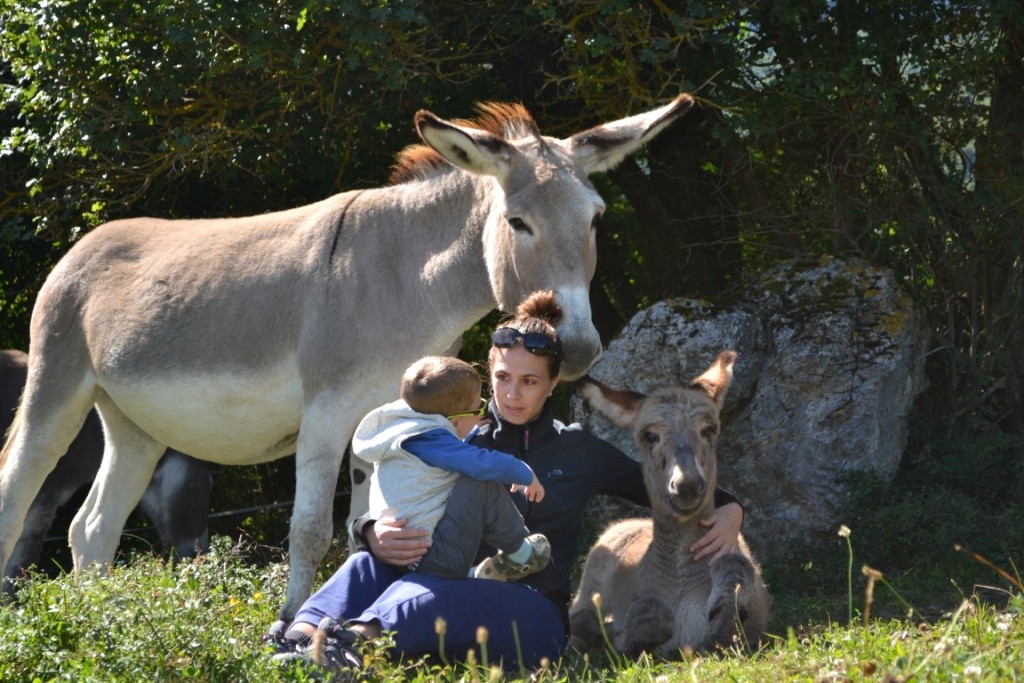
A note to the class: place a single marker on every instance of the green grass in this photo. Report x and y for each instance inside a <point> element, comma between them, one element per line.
<point>937,613</point>
<point>202,620</point>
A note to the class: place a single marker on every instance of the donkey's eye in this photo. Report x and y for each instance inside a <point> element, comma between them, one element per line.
<point>651,437</point>
<point>708,433</point>
<point>519,225</point>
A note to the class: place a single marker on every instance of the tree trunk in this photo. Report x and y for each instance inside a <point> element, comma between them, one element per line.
<point>684,210</point>
<point>1000,176</point>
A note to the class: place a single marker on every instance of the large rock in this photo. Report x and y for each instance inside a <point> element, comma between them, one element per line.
<point>831,357</point>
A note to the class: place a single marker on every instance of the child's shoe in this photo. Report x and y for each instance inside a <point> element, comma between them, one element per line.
<point>501,567</point>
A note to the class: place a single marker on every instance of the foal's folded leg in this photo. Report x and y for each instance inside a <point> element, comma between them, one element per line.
<point>732,576</point>
<point>648,624</point>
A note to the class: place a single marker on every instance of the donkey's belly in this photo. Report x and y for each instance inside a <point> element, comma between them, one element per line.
<point>230,418</point>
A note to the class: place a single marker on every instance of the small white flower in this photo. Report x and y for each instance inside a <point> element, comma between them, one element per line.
<point>972,671</point>
<point>844,531</point>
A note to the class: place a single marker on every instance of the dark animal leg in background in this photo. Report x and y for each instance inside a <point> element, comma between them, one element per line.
<point>178,503</point>
<point>37,522</point>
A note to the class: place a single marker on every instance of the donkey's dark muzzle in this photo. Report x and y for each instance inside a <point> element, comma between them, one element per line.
<point>687,493</point>
<point>687,485</point>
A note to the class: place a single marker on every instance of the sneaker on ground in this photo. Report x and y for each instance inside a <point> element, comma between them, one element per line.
<point>332,652</point>
<point>502,568</point>
<point>276,639</point>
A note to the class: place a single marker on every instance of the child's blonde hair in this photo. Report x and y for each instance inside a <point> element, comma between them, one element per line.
<point>441,385</point>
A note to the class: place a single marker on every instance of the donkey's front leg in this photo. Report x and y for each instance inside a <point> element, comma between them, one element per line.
<point>732,577</point>
<point>326,428</point>
<point>649,623</point>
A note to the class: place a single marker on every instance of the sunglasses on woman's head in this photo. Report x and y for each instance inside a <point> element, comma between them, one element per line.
<point>479,412</point>
<point>537,343</point>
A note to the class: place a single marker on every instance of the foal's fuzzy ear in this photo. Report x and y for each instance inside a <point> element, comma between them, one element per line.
<point>470,149</point>
<point>717,378</point>
<point>618,405</point>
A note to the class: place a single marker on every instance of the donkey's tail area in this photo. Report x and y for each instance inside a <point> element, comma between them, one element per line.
<point>12,433</point>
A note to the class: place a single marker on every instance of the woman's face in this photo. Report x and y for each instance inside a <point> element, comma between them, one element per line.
<point>520,383</point>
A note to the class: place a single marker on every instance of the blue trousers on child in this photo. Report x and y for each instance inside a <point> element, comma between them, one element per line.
<point>365,589</point>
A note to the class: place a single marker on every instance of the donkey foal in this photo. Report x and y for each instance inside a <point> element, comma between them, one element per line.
<point>654,597</point>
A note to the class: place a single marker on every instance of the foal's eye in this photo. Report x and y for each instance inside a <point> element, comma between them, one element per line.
<point>519,225</point>
<point>595,222</point>
<point>708,433</point>
<point>651,437</point>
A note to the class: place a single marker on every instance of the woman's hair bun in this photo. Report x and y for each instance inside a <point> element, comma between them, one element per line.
<point>541,305</point>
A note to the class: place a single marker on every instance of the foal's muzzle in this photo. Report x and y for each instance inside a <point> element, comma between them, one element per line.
<point>687,484</point>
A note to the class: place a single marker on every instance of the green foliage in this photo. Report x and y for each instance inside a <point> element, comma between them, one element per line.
<point>920,532</point>
<point>174,623</point>
<point>197,108</point>
<point>965,496</point>
<point>823,129</point>
<point>874,141</point>
<point>25,264</point>
<point>892,133</point>
<point>983,464</point>
<point>961,491</point>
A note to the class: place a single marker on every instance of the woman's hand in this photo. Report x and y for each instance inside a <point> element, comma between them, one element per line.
<point>723,536</point>
<point>392,543</point>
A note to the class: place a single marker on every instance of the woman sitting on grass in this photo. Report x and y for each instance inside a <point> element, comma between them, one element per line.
<point>374,592</point>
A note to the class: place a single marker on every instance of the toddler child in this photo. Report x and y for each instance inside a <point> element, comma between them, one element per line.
<point>425,472</point>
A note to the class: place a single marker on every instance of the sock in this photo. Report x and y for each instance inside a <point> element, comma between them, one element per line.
<point>523,554</point>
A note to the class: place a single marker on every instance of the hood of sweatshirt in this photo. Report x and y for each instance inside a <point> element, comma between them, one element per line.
<point>385,427</point>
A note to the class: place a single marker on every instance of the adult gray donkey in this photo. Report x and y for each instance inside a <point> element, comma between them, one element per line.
<point>242,340</point>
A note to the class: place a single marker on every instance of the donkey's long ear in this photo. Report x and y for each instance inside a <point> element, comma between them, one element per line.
<point>618,405</point>
<point>717,378</point>
<point>603,147</point>
<point>470,149</point>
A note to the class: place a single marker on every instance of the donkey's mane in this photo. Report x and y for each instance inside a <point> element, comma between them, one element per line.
<point>509,121</point>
